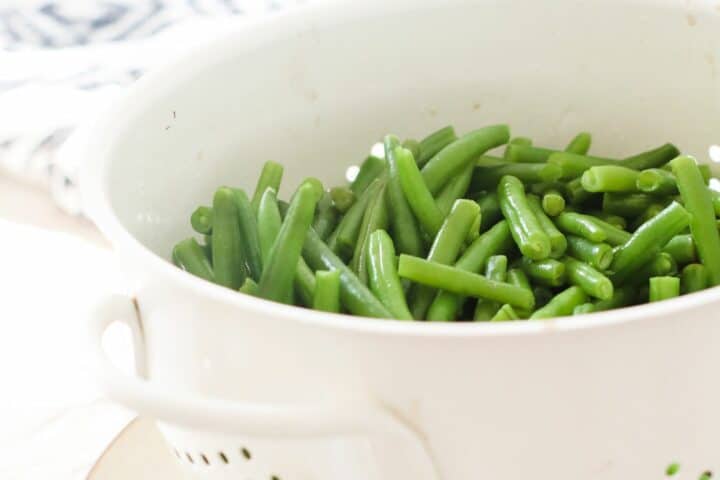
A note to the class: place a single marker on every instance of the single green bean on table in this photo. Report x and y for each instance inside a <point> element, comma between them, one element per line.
<point>553,203</point>
<point>433,143</point>
<point>558,242</point>
<point>581,225</point>
<point>682,249</point>
<point>327,291</point>
<point>663,288</point>
<point>326,217</point>
<point>698,202</point>
<point>383,278</point>
<point>524,226</point>
<point>693,278</point>
<point>495,241</point>
<point>548,272</point>
<point>505,313</point>
<point>562,304</point>
<point>269,222</point>
<point>371,168</point>
<point>609,178</point>
<point>580,144</point>
<point>228,258</point>
<point>342,241</point>
<point>201,220</point>
<point>342,198</point>
<point>249,239</point>
<point>496,270</point>
<point>418,196</point>
<point>486,178</point>
<point>598,255</point>
<point>586,277</point>
<point>189,255</point>
<point>270,177</point>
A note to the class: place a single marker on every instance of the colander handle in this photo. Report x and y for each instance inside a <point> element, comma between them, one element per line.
<point>215,414</point>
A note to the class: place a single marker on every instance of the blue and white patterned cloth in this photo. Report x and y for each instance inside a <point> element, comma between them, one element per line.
<point>62,61</point>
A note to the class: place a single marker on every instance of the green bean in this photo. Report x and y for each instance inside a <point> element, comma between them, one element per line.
<point>249,239</point>
<point>487,178</point>
<point>249,287</point>
<point>405,228</point>
<point>343,239</point>
<point>622,296</point>
<point>524,226</point>
<point>327,291</point>
<point>652,158</point>
<point>575,192</point>
<point>270,176</point>
<point>207,248</point>
<point>657,181</point>
<point>583,309</point>
<point>495,241</point>
<point>277,279</point>
<point>453,158</point>
<point>342,198</point>
<point>580,225</point>
<point>661,264</point>
<point>527,154</point>
<point>580,144</point>
<point>524,141</point>
<point>663,288</point>
<point>412,145</point>
<point>558,242</point>
<point>304,283</point>
<point>515,276</point>
<point>202,219</point>
<point>326,217</point>
<point>371,168</point>
<point>354,295</point>
<point>383,278</point>
<point>505,313</point>
<point>648,240</point>
<point>490,161</point>
<point>682,249</point>
<point>613,235</point>
<point>317,186</point>
<point>190,256</point>
<point>614,220</point>
<point>586,277</point>
<point>650,212</point>
<point>609,178</point>
<point>548,272</point>
<point>693,278</point>
<point>573,165</point>
<point>417,194</point>
<point>444,250</point>
<point>375,218</point>
<point>626,205</point>
<point>542,296</point>
<point>227,252</point>
<point>715,196</point>
<point>553,203</point>
<point>455,189</point>
<point>561,304</point>
<point>462,282</point>
<point>269,222</point>
<point>496,270</point>
<point>698,202</point>
<point>490,210</point>
<point>599,255</point>
<point>433,143</point>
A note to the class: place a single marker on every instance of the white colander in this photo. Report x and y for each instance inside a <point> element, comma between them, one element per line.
<point>314,396</point>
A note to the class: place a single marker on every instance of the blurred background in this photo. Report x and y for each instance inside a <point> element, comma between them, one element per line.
<point>62,62</point>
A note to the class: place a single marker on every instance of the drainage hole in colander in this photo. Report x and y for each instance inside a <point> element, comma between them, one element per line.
<point>189,457</point>
<point>177,454</point>
<point>205,459</point>
<point>223,457</point>
<point>274,477</point>
<point>246,453</point>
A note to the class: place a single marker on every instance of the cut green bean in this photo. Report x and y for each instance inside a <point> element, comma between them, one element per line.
<point>598,255</point>
<point>682,249</point>
<point>583,309</point>
<point>433,143</point>
<point>580,225</point>
<point>269,223</point>
<point>487,178</point>
<point>227,252</point>
<point>207,248</point>
<point>573,165</point>
<point>515,276</point>
<point>326,217</point>
<point>558,242</point>
<point>490,212</point>
<point>628,205</point>
<point>375,218</point>
<point>304,283</point>
<point>354,295</point>
<point>444,250</point>
<point>495,241</point>
<point>614,220</point>
<point>660,265</point>
<point>372,168</point>
<point>455,189</point>
<point>496,270</point>
<point>505,313</point>
<point>586,277</point>
<point>622,297</point>
<point>553,203</point>
<point>412,145</point>
<point>189,255</point>
<point>524,226</point>
<point>418,196</point>
<point>527,154</point>
<point>462,282</point>
<point>698,201</point>
<point>657,181</point>
<point>664,288</point>
<point>575,192</point>
<point>693,278</point>
<point>580,144</point>
<point>548,272</point>
<point>342,198</point>
<point>343,239</point>
<point>249,238</point>
<point>542,296</point>
<point>652,158</point>
<point>562,304</point>
<point>613,235</point>
<point>383,278</point>
<point>327,291</point>
<point>277,279</point>
<point>648,240</point>
<point>652,211</point>
<point>402,220</point>
<point>609,178</point>
<point>249,287</point>
<point>453,158</point>
<point>270,177</point>
<point>201,220</point>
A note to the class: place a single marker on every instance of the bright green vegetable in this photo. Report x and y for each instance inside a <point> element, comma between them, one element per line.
<point>652,158</point>
<point>496,270</point>
<point>326,217</point>
<point>548,272</point>
<point>418,196</point>
<point>515,276</point>
<point>249,287</point>
<point>561,304</point>
<point>490,210</point>
<point>694,278</point>
<point>202,220</point>
<point>553,203</point>
<point>614,220</point>
<point>433,143</point>
<point>573,165</point>
<point>189,256</point>
<point>524,226</point>
<point>412,145</point>
<point>372,168</point>
<point>626,205</point>
<point>505,313</point>
<point>580,144</point>
<point>558,242</point>
<point>584,308</point>
<point>657,181</point>
<point>455,189</point>
<point>487,178</point>
<point>375,218</point>
<point>682,249</point>
<point>342,198</point>
<point>383,278</point>
<point>227,252</point>
<point>270,177</point>
<point>609,178</point>
<point>586,277</point>
<point>575,192</point>
<point>343,239</point>
<point>527,154</point>
<point>663,288</point>
<point>304,283</point>
<point>327,291</point>
<point>249,239</point>
<point>269,223</point>
<point>598,255</point>
<point>581,225</point>
<point>613,235</point>
<point>623,296</point>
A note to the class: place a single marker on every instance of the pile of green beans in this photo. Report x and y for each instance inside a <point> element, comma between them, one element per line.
<point>445,229</point>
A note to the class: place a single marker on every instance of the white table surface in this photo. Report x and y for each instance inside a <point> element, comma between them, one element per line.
<point>53,268</point>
